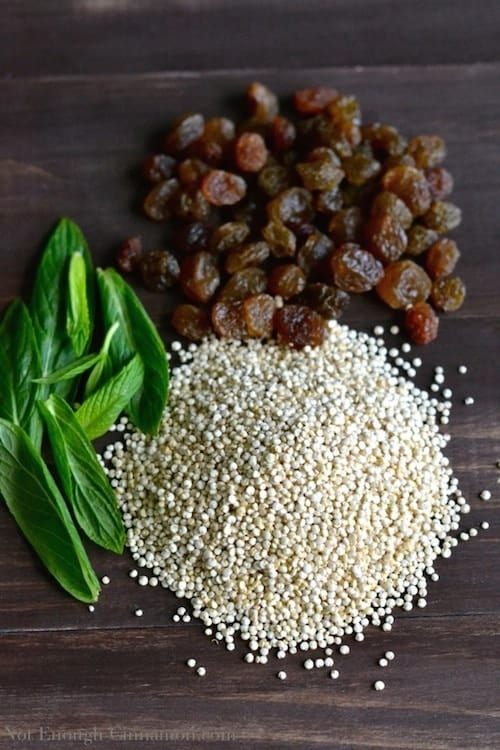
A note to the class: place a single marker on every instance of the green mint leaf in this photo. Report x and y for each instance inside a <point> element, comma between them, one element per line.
<point>19,365</point>
<point>136,334</point>
<point>78,325</point>
<point>100,410</point>
<point>70,371</point>
<point>104,368</point>
<point>41,513</point>
<point>48,305</point>
<point>83,480</point>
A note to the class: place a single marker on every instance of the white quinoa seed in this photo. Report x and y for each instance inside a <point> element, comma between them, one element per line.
<point>281,675</point>
<point>288,494</point>
<point>379,685</point>
<point>191,663</point>
<point>201,671</point>
<point>485,495</point>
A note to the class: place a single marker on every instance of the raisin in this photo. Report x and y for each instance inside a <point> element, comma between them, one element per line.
<point>409,184</point>
<point>345,114</point>
<point>385,237</point>
<point>281,240</point>
<point>191,171</point>
<point>360,167</point>
<point>442,216</point>
<point>291,206</point>
<point>191,321</point>
<point>320,174</point>
<point>448,293</point>
<point>159,200</point>
<point>191,205</point>
<point>192,237</point>
<point>243,284</point>
<point>345,225</point>
<point>249,211</point>
<point>328,201</point>
<point>314,250</point>
<point>158,168</point>
<point>274,178</point>
<point>262,102</point>
<point>222,188</point>
<point>213,145</point>
<point>404,283</point>
<point>384,139</point>
<point>312,101</point>
<point>229,235</point>
<point>440,182</point>
<point>228,319</point>
<point>129,255</point>
<point>427,150</point>
<point>250,152</point>
<point>354,269</point>
<point>421,323</point>
<point>441,258</point>
<point>183,132</point>
<point>420,239</point>
<point>328,301</point>
<point>199,276</point>
<point>388,203</point>
<point>159,270</point>
<point>258,313</point>
<point>299,326</point>
<point>322,153</point>
<point>302,230</point>
<point>286,281</point>
<point>283,133</point>
<point>250,254</point>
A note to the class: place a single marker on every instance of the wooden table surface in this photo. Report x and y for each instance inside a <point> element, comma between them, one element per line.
<point>86,87</point>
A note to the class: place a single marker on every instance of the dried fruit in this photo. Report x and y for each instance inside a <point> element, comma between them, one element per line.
<point>222,188</point>
<point>250,254</point>
<point>442,216</point>
<point>441,258</point>
<point>427,150</point>
<point>158,202</point>
<point>291,206</point>
<point>213,145</point>
<point>263,104</point>
<point>286,280</point>
<point>228,236</point>
<point>183,132</point>
<point>199,277</point>
<point>404,283</point>
<point>243,284</point>
<point>159,270</point>
<point>360,167</point>
<point>158,168</point>
<point>228,319</point>
<point>250,152</point>
<point>258,313</point>
<point>299,326</point>
<point>192,237</point>
<point>420,239</point>
<point>345,225</point>
<point>320,174</point>
<point>273,179</point>
<point>388,203</point>
<point>311,254</point>
<point>385,237</point>
<point>312,101</point>
<point>191,205</point>
<point>129,255</point>
<point>191,171</point>
<point>448,293</point>
<point>440,182</point>
<point>409,184</point>
<point>192,322</point>
<point>385,140</point>
<point>421,323</point>
<point>329,301</point>
<point>354,269</point>
<point>280,239</point>
<point>283,133</point>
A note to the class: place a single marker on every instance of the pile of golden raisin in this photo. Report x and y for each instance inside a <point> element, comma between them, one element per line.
<point>278,220</point>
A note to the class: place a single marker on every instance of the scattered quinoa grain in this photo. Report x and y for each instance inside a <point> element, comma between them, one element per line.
<point>379,685</point>
<point>485,495</point>
<point>382,662</point>
<point>133,573</point>
<point>462,369</point>
<point>308,664</point>
<point>394,330</point>
<point>105,580</point>
<point>378,331</point>
<point>201,671</point>
<point>191,663</point>
<point>469,400</point>
<point>143,580</point>
<point>485,525</point>
<point>91,608</point>
<point>344,649</point>
<point>334,674</point>
<point>138,612</point>
<point>390,655</point>
<point>281,675</point>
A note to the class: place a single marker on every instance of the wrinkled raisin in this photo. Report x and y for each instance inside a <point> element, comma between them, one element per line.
<point>328,201</point>
<point>299,326</point>
<point>250,152</point>
<point>385,237</point>
<point>384,139</point>
<point>328,301</point>
<point>421,323</point>
<point>250,254</point>
<point>213,145</point>
<point>286,280</point>
<point>388,203</point>
<point>159,270</point>
<point>273,179</point>
<point>360,167</point>
<point>228,236</point>
<point>448,293</point>
<point>129,254</point>
<point>192,237</point>
<point>409,184</point>
<point>191,171</point>
<point>441,258</point>
<point>345,225</point>
<point>312,101</point>
<point>280,239</point>
<point>258,313</point>
<point>222,188</point>
<point>183,132</point>
<point>158,202</point>
<point>440,182</point>
<point>420,239</point>
<point>292,205</point>
<point>158,168</point>
<point>282,133</point>
<point>345,114</point>
<point>354,269</point>
<point>427,150</point>
<point>191,321</point>
<point>228,319</point>
<point>262,102</point>
<point>191,205</point>
<point>243,284</point>
<point>314,250</point>
<point>404,283</point>
<point>320,174</point>
<point>199,276</point>
<point>442,216</point>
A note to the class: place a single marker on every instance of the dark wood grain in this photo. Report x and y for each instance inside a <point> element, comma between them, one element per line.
<point>71,145</point>
<point>116,36</point>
